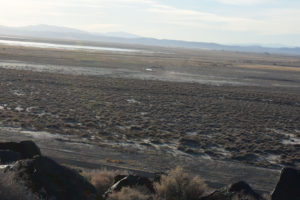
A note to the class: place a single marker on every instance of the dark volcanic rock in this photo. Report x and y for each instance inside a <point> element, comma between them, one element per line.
<point>49,180</point>
<point>131,181</point>
<point>243,187</point>
<point>26,149</point>
<point>118,178</point>
<point>236,191</point>
<point>288,187</point>
<point>7,156</point>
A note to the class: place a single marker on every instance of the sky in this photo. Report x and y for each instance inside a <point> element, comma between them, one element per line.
<point>267,22</point>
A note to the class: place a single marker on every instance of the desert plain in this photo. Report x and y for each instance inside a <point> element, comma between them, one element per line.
<point>225,116</point>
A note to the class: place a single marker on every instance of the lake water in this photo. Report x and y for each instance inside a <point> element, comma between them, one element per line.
<point>66,46</point>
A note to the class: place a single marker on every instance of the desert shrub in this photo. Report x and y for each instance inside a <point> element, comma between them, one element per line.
<point>12,190</point>
<point>130,194</point>
<point>242,197</point>
<point>266,196</point>
<point>101,179</point>
<point>178,185</point>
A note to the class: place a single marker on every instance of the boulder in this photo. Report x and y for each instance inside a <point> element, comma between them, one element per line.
<point>49,180</point>
<point>288,186</point>
<point>243,188</point>
<point>131,181</point>
<point>118,178</point>
<point>26,149</point>
<point>237,191</point>
<point>157,176</point>
<point>7,156</point>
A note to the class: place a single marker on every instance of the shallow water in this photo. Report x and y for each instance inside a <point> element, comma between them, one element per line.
<point>65,46</point>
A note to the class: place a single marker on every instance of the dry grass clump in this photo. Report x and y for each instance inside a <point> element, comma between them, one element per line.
<point>11,190</point>
<point>178,185</point>
<point>101,179</point>
<point>130,194</point>
<point>266,196</point>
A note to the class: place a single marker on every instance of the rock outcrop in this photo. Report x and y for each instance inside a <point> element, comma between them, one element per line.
<point>45,177</point>
<point>238,191</point>
<point>288,187</point>
<point>42,176</point>
<point>26,149</point>
<point>8,156</point>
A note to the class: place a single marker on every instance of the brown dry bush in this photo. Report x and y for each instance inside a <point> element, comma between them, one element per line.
<point>178,185</point>
<point>266,196</point>
<point>130,194</point>
<point>101,179</point>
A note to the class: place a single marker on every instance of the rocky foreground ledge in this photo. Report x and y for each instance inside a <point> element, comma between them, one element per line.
<point>27,174</point>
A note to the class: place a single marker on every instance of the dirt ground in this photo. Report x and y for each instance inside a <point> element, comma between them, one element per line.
<point>204,105</point>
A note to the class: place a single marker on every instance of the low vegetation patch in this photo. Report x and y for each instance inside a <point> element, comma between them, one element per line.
<point>178,185</point>
<point>101,179</point>
<point>130,194</point>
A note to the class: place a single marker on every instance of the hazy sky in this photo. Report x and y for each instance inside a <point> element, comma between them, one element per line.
<point>222,21</point>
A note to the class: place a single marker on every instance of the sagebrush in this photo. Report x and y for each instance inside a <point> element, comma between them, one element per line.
<point>131,194</point>
<point>178,185</point>
<point>101,179</point>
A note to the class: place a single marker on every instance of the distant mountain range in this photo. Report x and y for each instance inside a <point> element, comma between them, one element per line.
<point>56,32</point>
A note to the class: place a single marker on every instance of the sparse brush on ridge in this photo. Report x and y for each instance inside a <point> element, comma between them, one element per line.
<point>101,179</point>
<point>137,193</point>
<point>178,185</point>
<point>266,196</point>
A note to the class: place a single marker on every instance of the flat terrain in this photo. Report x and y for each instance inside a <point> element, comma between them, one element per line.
<point>235,115</point>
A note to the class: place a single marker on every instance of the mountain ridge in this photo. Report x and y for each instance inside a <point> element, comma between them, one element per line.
<point>59,32</point>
